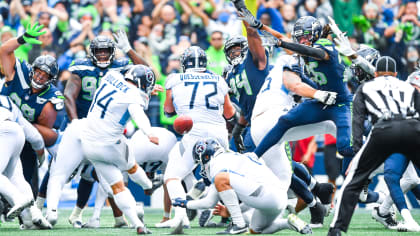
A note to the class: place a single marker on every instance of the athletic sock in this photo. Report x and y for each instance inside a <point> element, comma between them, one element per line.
<point>231,202</point>
<point>127,205</point>
<point>99,202</point>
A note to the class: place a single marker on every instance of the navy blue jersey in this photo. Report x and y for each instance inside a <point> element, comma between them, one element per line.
<point>19,90</point>
<point>245,81</point>
<point>90,76</point>
<point>329,74</point>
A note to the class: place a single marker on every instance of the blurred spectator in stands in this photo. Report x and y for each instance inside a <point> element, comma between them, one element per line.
<point>269,15</point>
<point>410,62</point>
<point>369,28</point>
<point>332,163</point>
<point>316,8</point>
<point>343,12</point>
<point>85,34</point>
<point>216,59</point>
<point>304,152</point>
<point>47,44</point>
<point>77,51</point>
<point>289,18</point>
<point>226,21</point>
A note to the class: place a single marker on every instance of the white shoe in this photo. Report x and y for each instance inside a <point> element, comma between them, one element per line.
<point>408,227</point>
<point>173,223</point>
<point>76,221</point>
<point>38,219</point>
<point>387,220</point>
<point>17,209</point>
<point>93,223</point>
<point>298,224</point>
<point>52,217</point>
<point>120,222</point>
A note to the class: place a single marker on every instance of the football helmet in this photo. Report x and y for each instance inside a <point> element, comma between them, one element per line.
<point>203,151</point>
<point>102,51</point>
<point>307,29</point>
<point>47,64</point>
<point>371,55</point>
<point>235,57</point>
<point>143,77</point>
<point>194,59</point>
<point>414,78</point>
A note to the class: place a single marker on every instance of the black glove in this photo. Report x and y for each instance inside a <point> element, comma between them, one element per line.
<point>237,137</point>
<point>231,122</point>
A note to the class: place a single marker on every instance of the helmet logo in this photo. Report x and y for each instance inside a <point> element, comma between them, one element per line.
<point>199,149</point>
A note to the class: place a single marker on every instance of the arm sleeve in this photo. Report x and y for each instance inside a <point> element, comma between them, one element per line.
<point>141,119</point>
<point>359,114</point>
<point>304,50</point>
<point>207,202</point>
<point>31,133</point>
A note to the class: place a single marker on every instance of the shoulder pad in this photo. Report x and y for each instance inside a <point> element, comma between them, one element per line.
<point>57,100</point>
<point>120,62</point>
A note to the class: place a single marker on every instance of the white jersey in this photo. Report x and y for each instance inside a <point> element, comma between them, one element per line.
<point>109,111</point>
<point>10,112</point>
<point>273,93</point>
<point>242,165</point>
<point>198,95</point>
<point>149,156</point>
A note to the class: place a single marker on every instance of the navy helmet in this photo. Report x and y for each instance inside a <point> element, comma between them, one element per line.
<point>232,57</point>
<point>99,43</point>
<point>307,27</point>
<point>194,59</point>
<point>143,77</point>
<point>47,64</point>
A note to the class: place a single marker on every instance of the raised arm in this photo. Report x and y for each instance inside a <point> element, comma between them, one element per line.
<point>255,47</point>
<point>71,92</point>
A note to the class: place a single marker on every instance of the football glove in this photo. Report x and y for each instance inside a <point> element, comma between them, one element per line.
<point>31,33</point>
<point>179,202</point>
<point>342,41</point>
<point>270,39</point>
<point>237,137</point>
<point>122,41</point>
<point>326,97</point>
<point>246,15</point>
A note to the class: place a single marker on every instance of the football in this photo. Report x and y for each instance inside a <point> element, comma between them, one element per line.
<point>183,124</point>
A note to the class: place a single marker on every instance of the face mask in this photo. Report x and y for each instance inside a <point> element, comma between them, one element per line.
<point>412,58</point>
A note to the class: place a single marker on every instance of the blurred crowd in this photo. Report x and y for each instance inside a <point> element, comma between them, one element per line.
<point>160,30</point>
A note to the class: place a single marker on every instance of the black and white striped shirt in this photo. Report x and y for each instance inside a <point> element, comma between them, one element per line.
<point>384,97</point>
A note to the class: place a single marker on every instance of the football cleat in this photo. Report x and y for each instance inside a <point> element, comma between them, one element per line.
<point>17,209</point>
<point>52,217</point>
<point>38,219</point>
<point>205,218</point>
<point>234,229</point>
<point>408,227</point>
<point>298,224</point>
<point>317,215</point>
<point>143,230</point>
<point>387,220</point>
<point>93,223</point>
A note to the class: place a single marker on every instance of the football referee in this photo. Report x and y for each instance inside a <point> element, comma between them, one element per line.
<point>393,107</point>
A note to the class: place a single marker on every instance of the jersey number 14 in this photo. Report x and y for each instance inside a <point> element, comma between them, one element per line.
<point>103,101</point>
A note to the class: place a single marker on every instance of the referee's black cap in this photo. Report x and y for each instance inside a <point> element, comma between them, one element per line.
<point>386,64</point>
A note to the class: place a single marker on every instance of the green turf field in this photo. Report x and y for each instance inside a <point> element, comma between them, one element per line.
<point>362,224</point>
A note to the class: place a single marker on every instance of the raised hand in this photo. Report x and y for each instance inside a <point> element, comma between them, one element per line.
<point>247,16</point>
<point>31,33</point>
<point>122,41</point>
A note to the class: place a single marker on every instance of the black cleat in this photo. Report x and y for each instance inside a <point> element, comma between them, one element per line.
<point>334,232</point>
<point>324,192</point>
<point>317,215</point>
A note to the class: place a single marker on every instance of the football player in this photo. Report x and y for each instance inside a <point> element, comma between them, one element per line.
<point>116,100</point>
<point>203,96</point>
<point>86,75</point>
<point>30,88</point>
<point>239,176</point>
<point>14,130</point>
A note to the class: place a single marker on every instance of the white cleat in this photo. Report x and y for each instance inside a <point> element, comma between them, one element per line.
<point>17,209</point>
<point>387,220</point>
<point>173,223</point>
<point>408,227</point>
<point>38,219</point>
<point>298,224</point>
<point>93,223</point>
<point>52,217</point>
